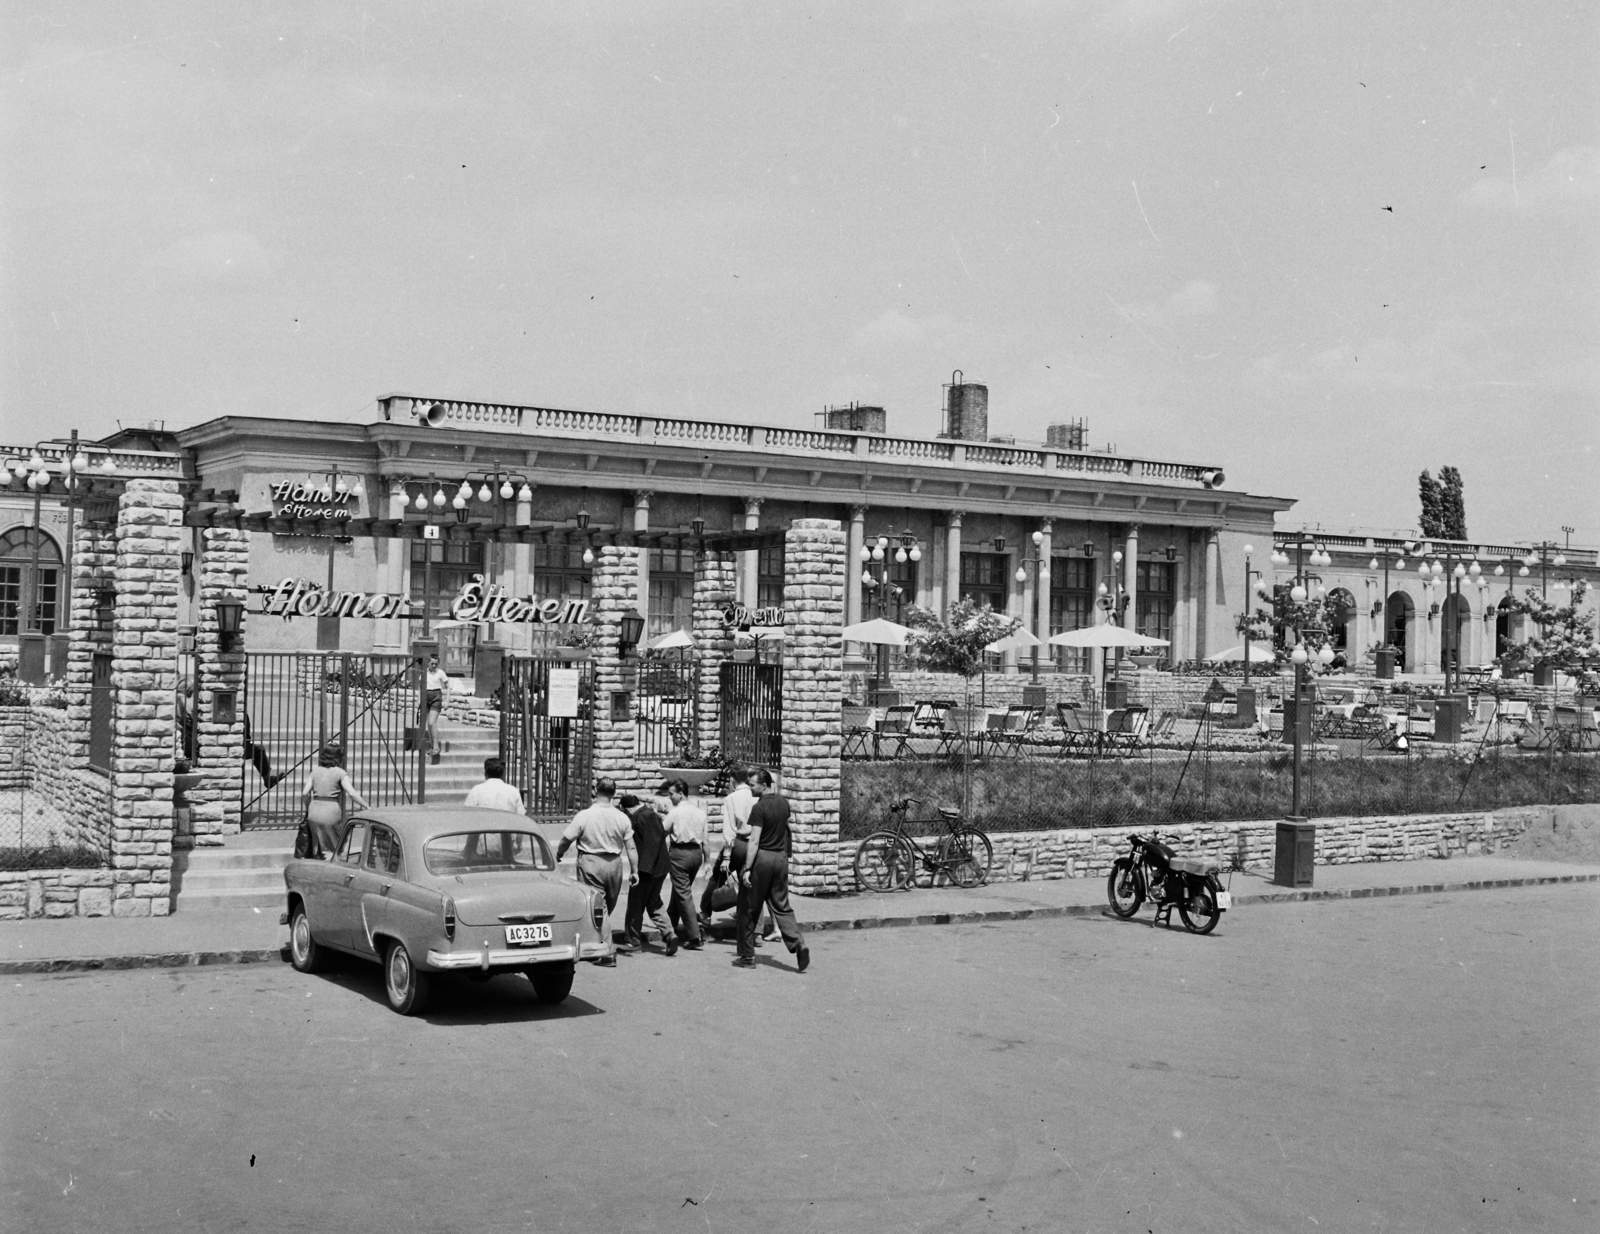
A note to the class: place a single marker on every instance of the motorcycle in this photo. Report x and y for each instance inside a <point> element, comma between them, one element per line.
<point>1153,871</point>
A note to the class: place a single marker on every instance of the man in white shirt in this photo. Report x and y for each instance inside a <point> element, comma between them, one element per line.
<point>494,793</point>
<point>603,834</point>
<point>685,824</point>
<point>736,807</point>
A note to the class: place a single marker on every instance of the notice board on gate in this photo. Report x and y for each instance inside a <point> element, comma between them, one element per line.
<point>563,696</point>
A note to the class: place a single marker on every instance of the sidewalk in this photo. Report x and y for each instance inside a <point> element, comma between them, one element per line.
<point>246,936</point>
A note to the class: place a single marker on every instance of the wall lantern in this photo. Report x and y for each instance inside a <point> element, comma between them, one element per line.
<point>630,632</point>
<point>697,526</point>
<point>583,511</point>
<point>185,562</point>
<point>999,544</point>
<point>230,623</point>
<point>1088,548</point>
<point>1172,552</point>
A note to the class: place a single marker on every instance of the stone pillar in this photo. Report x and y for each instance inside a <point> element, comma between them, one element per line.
<point>813,694</point>
<point>94,559</point>
<point>518,636</point>
<point>390,635</point>
<point>1130,577</point>
<point>853,565</point>
<point>750,564</point>
<point>615,592</point>
<point>1041,613</point>
<point>224,569</point>
<point>715,577</point>
<point>144,679</point>
<point>1211,594</point>
<point>952,559</point>
<point>641,522</point>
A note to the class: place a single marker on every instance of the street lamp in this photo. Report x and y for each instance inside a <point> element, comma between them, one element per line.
<point>1041,567</point>
<point>876,556</point>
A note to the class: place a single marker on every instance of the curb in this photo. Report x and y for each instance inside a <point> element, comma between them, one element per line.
<point>267,955</point>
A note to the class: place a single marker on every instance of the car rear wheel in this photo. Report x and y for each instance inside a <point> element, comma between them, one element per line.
<point>406,987</point>
<point>551,982</point>
<point>304,952</point>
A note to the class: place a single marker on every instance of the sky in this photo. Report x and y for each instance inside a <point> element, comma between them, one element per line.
<point>1322,246</point>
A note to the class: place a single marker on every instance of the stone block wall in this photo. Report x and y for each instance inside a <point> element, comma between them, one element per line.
<point>1089,852</point>
<point>14,746</point>
<point>214,804</point>
<point>37,748</point>
<point>813,683</point>
<point>145,671</point>
<point>614,592</point>
<point>716,577</point>
<point>55,893</point>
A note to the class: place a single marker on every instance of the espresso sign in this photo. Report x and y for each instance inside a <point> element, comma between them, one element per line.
<point>296,499</point>
<point>740,616</point>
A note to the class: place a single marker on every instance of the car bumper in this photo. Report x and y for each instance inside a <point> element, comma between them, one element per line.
<point>486,958</point>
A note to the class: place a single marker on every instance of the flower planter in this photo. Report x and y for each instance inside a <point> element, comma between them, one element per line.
<point>695,777</point>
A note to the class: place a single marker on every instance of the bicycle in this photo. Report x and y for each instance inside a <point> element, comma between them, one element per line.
<point>889,859</point>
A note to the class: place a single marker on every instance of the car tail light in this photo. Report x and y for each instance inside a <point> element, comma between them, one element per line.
<point>597,914</point>
<point>449,918</point>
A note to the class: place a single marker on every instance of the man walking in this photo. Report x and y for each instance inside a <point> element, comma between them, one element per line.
<point>650,841</point>
<point>603,835</point>
<point>686,842</point>
<point>494,793</point>
<point>765,875</point>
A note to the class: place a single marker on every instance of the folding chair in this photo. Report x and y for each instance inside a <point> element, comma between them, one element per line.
<point>858,733</point>
<point>1006,729</point>
<point>897,728</point>
<point>929,720</point>
<point>960,725</point>
<point>1163,728</point>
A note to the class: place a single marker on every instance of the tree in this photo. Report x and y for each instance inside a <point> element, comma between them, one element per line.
<point>1565,640</point>
<point>1313,618</point>
<point>1453,504</point>
<point>1432,497</point>
<point>955,644</point>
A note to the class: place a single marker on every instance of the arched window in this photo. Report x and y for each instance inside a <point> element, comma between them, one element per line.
<point>20,592</point>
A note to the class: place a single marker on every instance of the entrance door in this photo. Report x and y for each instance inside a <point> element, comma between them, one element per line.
<point>547,733</point>
<point>752,713</point>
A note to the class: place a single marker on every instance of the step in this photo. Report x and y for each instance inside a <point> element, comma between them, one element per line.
<point>229,880</point>
<point>244,898</point>
<point>196,860</point>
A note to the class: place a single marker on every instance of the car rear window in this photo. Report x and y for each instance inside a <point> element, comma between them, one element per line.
<point>472,851</point>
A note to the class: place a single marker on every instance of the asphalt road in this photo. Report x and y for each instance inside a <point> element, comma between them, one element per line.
<point>1423,1063</point>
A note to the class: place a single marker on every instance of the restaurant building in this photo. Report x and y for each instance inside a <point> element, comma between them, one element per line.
<point>1043,531</point>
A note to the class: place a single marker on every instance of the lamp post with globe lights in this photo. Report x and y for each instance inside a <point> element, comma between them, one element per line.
<point>880,589</point>
<point>1041,567</point>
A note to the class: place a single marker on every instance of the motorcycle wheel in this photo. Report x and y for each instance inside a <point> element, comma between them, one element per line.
<point>1122,889</point>
<point>1199,910</point>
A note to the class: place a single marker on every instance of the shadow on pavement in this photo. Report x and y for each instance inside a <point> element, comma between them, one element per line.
<point>458,1000</point>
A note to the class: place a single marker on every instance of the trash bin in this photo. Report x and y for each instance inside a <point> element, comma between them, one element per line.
<point>1449,717</point>
<point>1294,714</point>
<point>1118,693</point>
<point>30,658</point>
<point>1246,708</point>
<point>1035,696</point>
<point>1295,855</point>
<point>1384,658</point>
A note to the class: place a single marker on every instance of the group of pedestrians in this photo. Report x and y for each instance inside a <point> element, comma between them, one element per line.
<point>627,840</point>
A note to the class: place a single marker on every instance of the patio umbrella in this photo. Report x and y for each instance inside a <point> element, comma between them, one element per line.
<point>1106,635</point>
<point>1018,640</point>
<point>670,641</point>
<point>879,630</point>
<point>1260,653</point>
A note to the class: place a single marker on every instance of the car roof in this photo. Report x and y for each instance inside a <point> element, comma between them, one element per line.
<point>420,822</point>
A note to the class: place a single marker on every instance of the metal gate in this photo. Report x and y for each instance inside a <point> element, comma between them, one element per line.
<point>665,724</point>
<point>295,702</point>
<point>752,712</point>
<point>549,757</point>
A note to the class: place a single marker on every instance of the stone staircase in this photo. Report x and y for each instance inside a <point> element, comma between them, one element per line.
<point>460,766</point>
<point>246,873</point>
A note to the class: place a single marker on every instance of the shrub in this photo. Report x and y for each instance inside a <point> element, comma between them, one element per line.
<point>49,857</point>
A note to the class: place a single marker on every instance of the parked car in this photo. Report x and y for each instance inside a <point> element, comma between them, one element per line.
<point>427,890</point>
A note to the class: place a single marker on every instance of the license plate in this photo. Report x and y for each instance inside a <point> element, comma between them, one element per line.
<point>527,935</point>
<point>1224,900</point>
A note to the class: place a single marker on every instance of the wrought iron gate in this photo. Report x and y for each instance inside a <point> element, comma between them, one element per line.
<point>752,712</point>
<point>667,708</point>
<point>550,758</point>
<point>295,702</point>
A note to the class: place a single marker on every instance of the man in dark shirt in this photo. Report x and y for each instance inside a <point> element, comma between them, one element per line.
<point>765,874</point>
<point>655,867</point>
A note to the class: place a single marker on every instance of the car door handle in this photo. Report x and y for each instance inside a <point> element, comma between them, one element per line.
<point>348,879</point>
<point>385,888</point>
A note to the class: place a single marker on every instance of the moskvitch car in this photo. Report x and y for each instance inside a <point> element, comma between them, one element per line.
<point>426,890</point>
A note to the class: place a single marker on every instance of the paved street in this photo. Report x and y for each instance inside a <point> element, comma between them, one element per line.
<point>1419,1063</point>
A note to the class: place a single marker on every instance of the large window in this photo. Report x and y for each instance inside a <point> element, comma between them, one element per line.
<point>20,591</point>
<point>671,591</point>
<point>1071,606</point>
<point>769,577</point>
<point>439,570</point>
<point>986,578</point>
<point>559,572</point>
<point>1154,584</point>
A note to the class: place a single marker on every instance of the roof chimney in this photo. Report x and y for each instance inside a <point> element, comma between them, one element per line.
<point>966,410</point>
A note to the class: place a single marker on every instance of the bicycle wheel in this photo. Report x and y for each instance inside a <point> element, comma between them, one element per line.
<point>1122,889</point>
<point>883,862</point>
<point>967,854</point>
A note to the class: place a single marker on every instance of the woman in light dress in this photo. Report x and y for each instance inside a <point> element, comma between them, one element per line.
<point>326,787</point>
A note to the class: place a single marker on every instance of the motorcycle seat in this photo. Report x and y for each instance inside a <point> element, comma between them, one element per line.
<point>1194,865</point>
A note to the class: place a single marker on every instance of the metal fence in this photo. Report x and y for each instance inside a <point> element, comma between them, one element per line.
<point>550,758</point>
<point>751,696</point>
<point>1182,754</point>
<point>298,701</point>
<point>666,708</point>
<point>47,820</point>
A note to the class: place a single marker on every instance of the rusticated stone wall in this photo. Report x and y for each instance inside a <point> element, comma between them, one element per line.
<point>716,576</point>
<point>145,676</point>
<point>614,592</point>
<point>224,568</point>
<point>55,893</point>
<point>813,681</point>
<point>1085,852</point>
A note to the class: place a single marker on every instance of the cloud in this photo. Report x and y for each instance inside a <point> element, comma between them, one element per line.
<point>220,257</point>
<point>1570,180</point>
<point>1193,297</point>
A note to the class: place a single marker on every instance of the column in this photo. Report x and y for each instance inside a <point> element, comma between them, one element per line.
<point>391,633</point>
<point>813,696</point>
<point>519,634</point>
<point>952,560</point>
<point>641,522</point>
<point>224,570</point>
<point>715,582</point>
<point>1041,612</point>
<point>937,564</point>
<point>1182,607</point>
<point>852,578</point>
<point>1210,592</point>
<point>82,796</point>
<point>749,565</point>
<point>144,678</point>
<point>1130,577</point>
<point>615,591</point>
